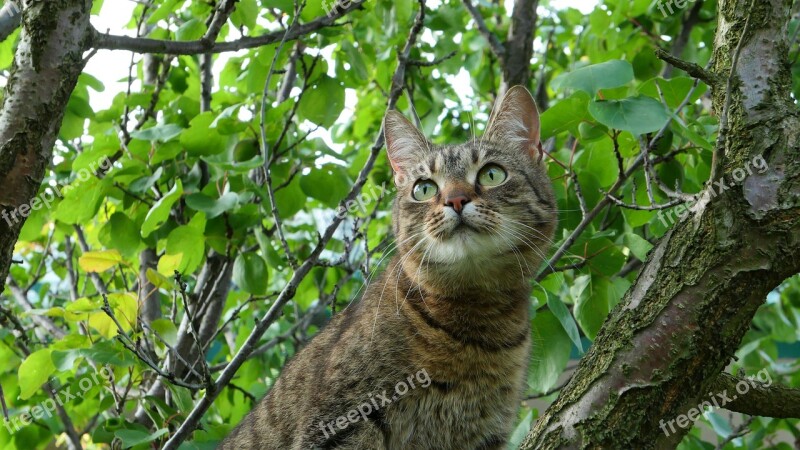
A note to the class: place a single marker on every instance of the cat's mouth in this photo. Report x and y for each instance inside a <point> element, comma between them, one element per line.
<point>464,227</point>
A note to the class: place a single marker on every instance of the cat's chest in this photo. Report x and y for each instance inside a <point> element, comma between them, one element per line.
<point>464,414</point>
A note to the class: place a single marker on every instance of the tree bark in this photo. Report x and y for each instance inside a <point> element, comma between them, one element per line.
<point>663,347</point>
<point>47,63</point>
<point>519,45</point>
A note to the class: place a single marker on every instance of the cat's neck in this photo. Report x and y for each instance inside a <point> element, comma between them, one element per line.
<point>431,282</point>
<point>488,319</point>
<point>470,280</point>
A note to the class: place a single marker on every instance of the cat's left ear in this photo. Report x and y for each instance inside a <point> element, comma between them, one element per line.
<point>516,121</point>
<point>405,144</point>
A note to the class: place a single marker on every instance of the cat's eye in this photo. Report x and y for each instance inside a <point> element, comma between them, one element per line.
<point>424,190</point>
<point>492,175</point>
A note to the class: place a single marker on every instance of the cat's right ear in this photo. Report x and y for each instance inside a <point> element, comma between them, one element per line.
<point>405,145</point>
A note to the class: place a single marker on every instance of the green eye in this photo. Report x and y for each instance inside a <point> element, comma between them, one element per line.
<point>424,190</point>
<point>492,175</point>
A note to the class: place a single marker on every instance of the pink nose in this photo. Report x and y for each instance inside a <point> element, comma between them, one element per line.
<point>457,202</point>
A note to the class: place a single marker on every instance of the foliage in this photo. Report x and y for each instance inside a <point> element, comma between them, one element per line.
<point>186,183</point>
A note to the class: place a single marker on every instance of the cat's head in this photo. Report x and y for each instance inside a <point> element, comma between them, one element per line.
<point>480,214</point>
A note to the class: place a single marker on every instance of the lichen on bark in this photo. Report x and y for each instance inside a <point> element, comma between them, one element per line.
<point>676,329</point>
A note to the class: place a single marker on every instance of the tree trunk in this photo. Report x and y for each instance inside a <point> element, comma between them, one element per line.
<point>47,63</point>
<point>677,328</point>
<point>519,45</point>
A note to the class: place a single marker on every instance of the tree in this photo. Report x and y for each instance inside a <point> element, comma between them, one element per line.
<point>161,259</point>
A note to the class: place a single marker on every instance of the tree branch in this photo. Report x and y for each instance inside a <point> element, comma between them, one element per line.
<point>42,321</point>
<point>665,344</point>
<point>494,42</point>
<point>760,399</point>
<point>144,45</point>
<point>47,62</point>
<point>683,38</point>
<point>691,68</point>
<point>519,44</point>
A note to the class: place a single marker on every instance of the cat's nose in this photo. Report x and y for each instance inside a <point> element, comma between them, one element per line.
<point>457,202</point>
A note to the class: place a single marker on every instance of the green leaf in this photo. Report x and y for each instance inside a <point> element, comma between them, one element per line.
<point>674,90</point>
<point>65,360</point>
<point>120,233</point>
<point>212,207</point>
<point>250,273</point>
<point>290,199</point>
<point>166,330</point>
<point>638,245</point>
<point>99,261</point>
<point>592,132</point>
<point>34,372</point>
<point>160,281</point>
<point>605,257</point>
<point>550,350</point>
<point>598,159</point>
<point>591,79</point>
<point>159,213</point>
<point>132,438</point>
<point>328,184</point>
<point>323,104</point>
<point>200,139</point>
<point>168,264</point>
<point>161,133</point>
<point>521,431</point>
<point>80,107</point>
<point>563,315</point>
<point>82,199</point>
<point>163,11</point>
<point>110,352</point>
<point>191,30</point>
<point>565,115</point>
<point>594,304</point>
<point>639,115</point>
<point>246,13</point>
<point>92,82</point>
<point>227,122</point>
<point>190,242</point>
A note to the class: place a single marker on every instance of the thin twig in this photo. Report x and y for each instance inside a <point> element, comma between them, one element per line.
<point>436,61</point>
<point>497,47</point>
<point>265,151</point>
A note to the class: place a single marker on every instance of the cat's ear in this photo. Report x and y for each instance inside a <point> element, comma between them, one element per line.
<point>405,144</point>
<point>516,121</point>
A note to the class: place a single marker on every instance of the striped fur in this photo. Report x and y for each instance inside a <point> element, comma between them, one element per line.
<point>453,304</point>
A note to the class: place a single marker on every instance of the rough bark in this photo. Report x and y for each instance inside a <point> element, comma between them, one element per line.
<point>47,63</point>
<point>767,400</point>
<point>663,348</point>
<point>519,45</point>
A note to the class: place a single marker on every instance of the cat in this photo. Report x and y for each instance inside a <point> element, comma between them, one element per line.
<point>434,355</point>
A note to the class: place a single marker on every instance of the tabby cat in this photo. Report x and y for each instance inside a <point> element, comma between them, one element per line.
<point>434,355</point>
